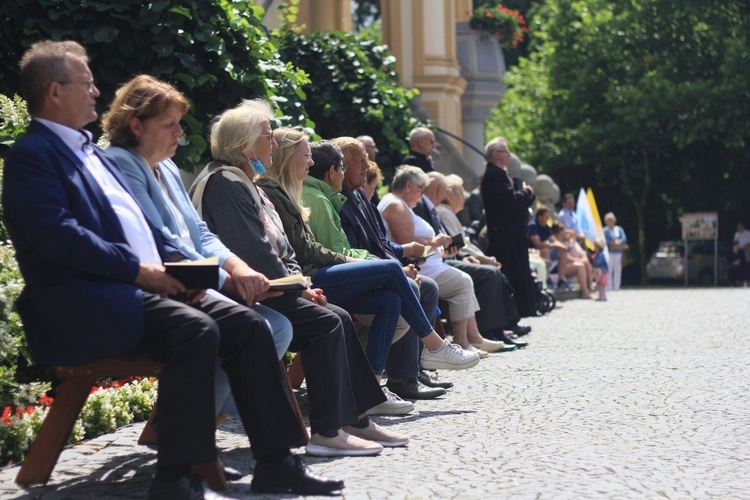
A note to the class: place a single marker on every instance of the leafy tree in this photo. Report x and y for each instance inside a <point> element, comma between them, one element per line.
<point>353,89</point>
<point>365,13</point>
<point>215,52</point>
<point>644,99</point>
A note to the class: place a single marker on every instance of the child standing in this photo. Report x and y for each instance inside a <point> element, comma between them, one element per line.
<point>599,263</point>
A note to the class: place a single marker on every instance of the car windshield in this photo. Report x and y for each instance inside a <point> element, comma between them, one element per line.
<point>669,249</point>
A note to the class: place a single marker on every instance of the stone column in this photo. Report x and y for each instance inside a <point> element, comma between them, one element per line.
<point>421,35</point>
<point>483,68</point>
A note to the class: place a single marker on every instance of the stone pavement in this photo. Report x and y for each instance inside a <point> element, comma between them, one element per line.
<point>642,396</point>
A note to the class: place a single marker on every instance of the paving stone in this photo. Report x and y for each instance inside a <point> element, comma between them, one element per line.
<point>644,395</point>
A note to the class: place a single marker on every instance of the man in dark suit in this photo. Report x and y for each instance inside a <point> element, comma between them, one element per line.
<point>497,311</point>
<point>362,225</point>
<point>96,287</point>
<point>421,145</point>
<point>506,206</point>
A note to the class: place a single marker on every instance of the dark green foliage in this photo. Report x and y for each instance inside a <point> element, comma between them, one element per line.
<point>215,52</point>
<point>365,12</point>
<point>353,90</point>
<point>645,101</point>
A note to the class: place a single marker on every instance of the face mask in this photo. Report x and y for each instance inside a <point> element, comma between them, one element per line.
<point>259,168</point>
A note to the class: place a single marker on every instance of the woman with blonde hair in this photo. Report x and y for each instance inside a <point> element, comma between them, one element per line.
<point>359,287</point>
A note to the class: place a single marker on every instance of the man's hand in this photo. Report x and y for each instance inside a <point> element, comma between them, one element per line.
<point>441,240</point>
<point>315,295</point>
<point>194,296</point>
<point>154,278</point>
<point>471,259</point>
<point>413,250</point>
<point>411,271</point>
<point>449,252</point>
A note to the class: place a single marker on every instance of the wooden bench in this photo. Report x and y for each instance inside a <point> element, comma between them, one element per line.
<point>75,388</point>
<point>76,385</point>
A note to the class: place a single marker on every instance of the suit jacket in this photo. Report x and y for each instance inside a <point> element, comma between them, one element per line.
<point>418,160</point>
<point>150,197</point>
<point>80,302</point>
<point>363,227</point>
<point>506,208</point>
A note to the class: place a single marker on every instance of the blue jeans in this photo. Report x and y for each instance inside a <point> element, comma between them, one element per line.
<point>281,331</point>
<point>380,288</point>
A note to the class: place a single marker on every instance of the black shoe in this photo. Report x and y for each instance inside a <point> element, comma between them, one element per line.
<point>410,388</point>
<point>503,337</point>
<point>425,379</point>
<point>521,330</point>
<point>187,487</point>
<point>291,476</point>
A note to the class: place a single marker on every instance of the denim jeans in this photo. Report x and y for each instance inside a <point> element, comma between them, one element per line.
<point>281,331</point>
<point>377,287</point>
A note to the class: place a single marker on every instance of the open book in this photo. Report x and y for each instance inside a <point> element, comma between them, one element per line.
<point>417,261</point>
<point>196,274</point>
<point>293,282</point>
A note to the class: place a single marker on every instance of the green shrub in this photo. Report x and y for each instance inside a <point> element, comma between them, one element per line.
<point>353,89</point>
<point>215,52</point>
<point>107,408</point>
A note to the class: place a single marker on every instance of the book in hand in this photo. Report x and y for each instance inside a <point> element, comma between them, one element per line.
<point>417,261</point>
<point>196,274</point>
<point>288,283</point>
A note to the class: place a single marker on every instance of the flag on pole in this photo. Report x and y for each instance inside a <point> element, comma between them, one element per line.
<point>586,219</point>
<point>597,221</point>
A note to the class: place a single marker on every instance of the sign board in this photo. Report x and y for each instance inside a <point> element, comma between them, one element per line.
<point>700,226</point>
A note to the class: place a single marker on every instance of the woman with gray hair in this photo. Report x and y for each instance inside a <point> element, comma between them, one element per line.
<point>454,286</point>
<point>340,383</point>
<point>617,242</point>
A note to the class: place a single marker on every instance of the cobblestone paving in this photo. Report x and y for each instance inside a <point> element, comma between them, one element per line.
<point>642,396</point>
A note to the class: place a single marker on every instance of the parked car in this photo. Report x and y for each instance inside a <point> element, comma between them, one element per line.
<point>668,262</point>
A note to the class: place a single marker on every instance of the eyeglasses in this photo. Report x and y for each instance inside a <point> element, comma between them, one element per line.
<point>502,151</point>
<point>89,83</point>
<point>344,168</point>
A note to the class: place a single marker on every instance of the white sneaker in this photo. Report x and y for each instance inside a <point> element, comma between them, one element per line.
<point>449,357</point>
<point>343,445</point>
<point>394,406</point>
<point>374,432</point>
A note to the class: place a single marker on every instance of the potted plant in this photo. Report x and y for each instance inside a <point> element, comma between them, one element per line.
<point>505,25</point>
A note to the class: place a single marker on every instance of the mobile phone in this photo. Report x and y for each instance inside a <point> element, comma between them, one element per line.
<point>457,241</point>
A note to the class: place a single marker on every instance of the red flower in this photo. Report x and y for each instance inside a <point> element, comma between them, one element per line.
<point>6,416</point>
<point>45,400</point>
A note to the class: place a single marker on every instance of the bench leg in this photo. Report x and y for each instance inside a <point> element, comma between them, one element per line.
<point>295,405</point>
<point>296,372</point>
<point>149,435</point>
<point>213,473</point>
<point>57,426</point>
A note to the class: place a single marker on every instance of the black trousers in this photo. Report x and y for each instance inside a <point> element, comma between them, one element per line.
<point>403,358</point>
<point>340,382</point>
<point>513,252</point>
<point>495,296</point>
<point>187,340</point>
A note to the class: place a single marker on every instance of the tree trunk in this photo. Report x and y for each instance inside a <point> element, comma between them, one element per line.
<point>639,203</point>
